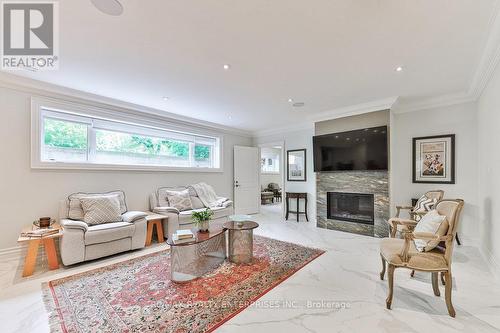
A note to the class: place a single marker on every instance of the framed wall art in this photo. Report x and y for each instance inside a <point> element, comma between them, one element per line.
<point>434,159</point>
<point>296,165</point>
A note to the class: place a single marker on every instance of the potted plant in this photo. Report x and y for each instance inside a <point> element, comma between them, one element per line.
<point>202,218</point>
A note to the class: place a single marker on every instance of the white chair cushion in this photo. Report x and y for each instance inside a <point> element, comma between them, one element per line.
<point>108,232</point>
<point>433,223</point>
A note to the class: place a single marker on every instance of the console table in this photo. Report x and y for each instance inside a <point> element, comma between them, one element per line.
<point>297,196</point>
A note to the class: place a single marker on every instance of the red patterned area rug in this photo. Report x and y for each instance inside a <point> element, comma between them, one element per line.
<point>137,295</point>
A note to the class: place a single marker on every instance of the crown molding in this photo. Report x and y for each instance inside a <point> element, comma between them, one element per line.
<point>377,105</point>
<point>52,91</point>
<point>353,110</point>
<point>490,57</point>
<point>433,102</point>
<point>307,125</point>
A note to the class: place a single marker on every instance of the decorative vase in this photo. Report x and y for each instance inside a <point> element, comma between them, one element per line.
<point>203,227</point>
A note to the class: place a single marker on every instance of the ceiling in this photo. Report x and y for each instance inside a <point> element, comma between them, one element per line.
<point>329,54</point>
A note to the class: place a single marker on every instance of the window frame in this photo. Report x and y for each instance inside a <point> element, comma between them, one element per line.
<point>81,113</point>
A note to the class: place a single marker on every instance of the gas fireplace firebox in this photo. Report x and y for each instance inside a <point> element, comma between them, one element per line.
<point>352,207</point>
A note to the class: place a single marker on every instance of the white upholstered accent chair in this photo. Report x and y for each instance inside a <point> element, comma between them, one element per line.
<point>402,253</point>
<point>82,242</point>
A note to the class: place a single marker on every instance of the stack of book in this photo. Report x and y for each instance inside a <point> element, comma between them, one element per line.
<point>183,235</point>
<point>39,233</point>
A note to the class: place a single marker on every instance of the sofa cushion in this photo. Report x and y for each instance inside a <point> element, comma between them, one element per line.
<point>179,199</point>
<point>98,210</point>
<point>162,195</point>
<point>108,232</point>
<point>196,202</point>
<point>75,210</point>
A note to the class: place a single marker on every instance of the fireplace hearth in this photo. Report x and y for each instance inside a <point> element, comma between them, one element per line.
<point>352,207</point>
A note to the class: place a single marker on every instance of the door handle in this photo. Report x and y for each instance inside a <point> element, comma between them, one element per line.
<point>236,184</point>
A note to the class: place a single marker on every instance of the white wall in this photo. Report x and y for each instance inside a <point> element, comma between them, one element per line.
<point>460,120</point>
<point>298,139</point>
<point>27,194</point>
<point>266,178</point>
<point>489,171</point>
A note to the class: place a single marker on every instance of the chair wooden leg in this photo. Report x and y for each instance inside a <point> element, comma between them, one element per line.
<point>412,274</point>
<point>442,279</point>
<point>393,231</point>
<point>390,277</point>
<point>448,279</point>
<point>382,274</point>
<point>435,283</point>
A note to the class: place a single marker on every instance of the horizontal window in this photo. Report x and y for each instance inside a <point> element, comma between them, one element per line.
<point>66,138</point>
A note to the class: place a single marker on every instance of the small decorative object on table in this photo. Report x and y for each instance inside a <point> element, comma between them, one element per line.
<point>202,219</point>
<point>44,222</point>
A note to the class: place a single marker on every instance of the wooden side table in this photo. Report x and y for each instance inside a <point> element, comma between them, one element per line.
<point>33,245</point>
<point>298,196</point>
<point>155,220</point>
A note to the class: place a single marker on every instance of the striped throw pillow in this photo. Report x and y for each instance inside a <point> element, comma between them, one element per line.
<point>424,204</point>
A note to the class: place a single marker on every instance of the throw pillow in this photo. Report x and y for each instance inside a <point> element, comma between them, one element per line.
<point>424,204</point>
<point>179,199</point>
<point>75,210</point>
<point>432,223</point>
<point>99,210</point>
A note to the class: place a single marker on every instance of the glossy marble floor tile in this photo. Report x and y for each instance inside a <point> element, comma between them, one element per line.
<point>338,292</point>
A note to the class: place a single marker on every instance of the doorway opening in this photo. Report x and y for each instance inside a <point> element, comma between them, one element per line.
<point>271,178</point>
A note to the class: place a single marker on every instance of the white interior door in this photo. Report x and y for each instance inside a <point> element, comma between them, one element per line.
<point>246,180</point>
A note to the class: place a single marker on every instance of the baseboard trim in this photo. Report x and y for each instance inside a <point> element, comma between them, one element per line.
<point>12,252</point>
<point>493,263</point>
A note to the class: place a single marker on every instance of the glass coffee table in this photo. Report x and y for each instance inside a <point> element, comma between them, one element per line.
<point>240,240</point>
<point>191,259</point>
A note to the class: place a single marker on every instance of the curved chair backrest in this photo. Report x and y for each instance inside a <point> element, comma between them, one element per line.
<point>435,194</point>
<point>452,209</point>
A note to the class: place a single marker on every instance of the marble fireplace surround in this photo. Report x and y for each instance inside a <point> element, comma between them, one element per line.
<point>369,182</point>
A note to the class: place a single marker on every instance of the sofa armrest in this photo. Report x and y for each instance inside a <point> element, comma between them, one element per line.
<point>165,210</point>
<point>73,224</point>
<point>133,215</point>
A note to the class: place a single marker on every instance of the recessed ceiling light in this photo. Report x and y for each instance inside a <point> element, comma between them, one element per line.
<point>229,117</point>
<point>226,66</point>
<point>165,98</point>
<point>110,7</point>
<point>399,69</point>
<point>290,100</point>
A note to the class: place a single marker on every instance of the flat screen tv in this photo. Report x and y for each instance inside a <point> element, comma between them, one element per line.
<point>364,149</point>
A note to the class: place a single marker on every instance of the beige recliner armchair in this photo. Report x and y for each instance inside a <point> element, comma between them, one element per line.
<point>82,242</point>
<point>397,252</point>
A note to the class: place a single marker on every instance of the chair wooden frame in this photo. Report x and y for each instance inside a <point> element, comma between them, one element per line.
<point>452,209</point>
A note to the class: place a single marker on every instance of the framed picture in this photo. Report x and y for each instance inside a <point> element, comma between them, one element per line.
<point>296,165</point>
<point>434,159</point>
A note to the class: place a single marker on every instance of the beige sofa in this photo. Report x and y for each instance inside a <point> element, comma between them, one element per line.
<point>82,242</point>
<point>182,219</point>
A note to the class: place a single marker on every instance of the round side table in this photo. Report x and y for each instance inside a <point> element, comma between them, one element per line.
<point>240,239</point>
